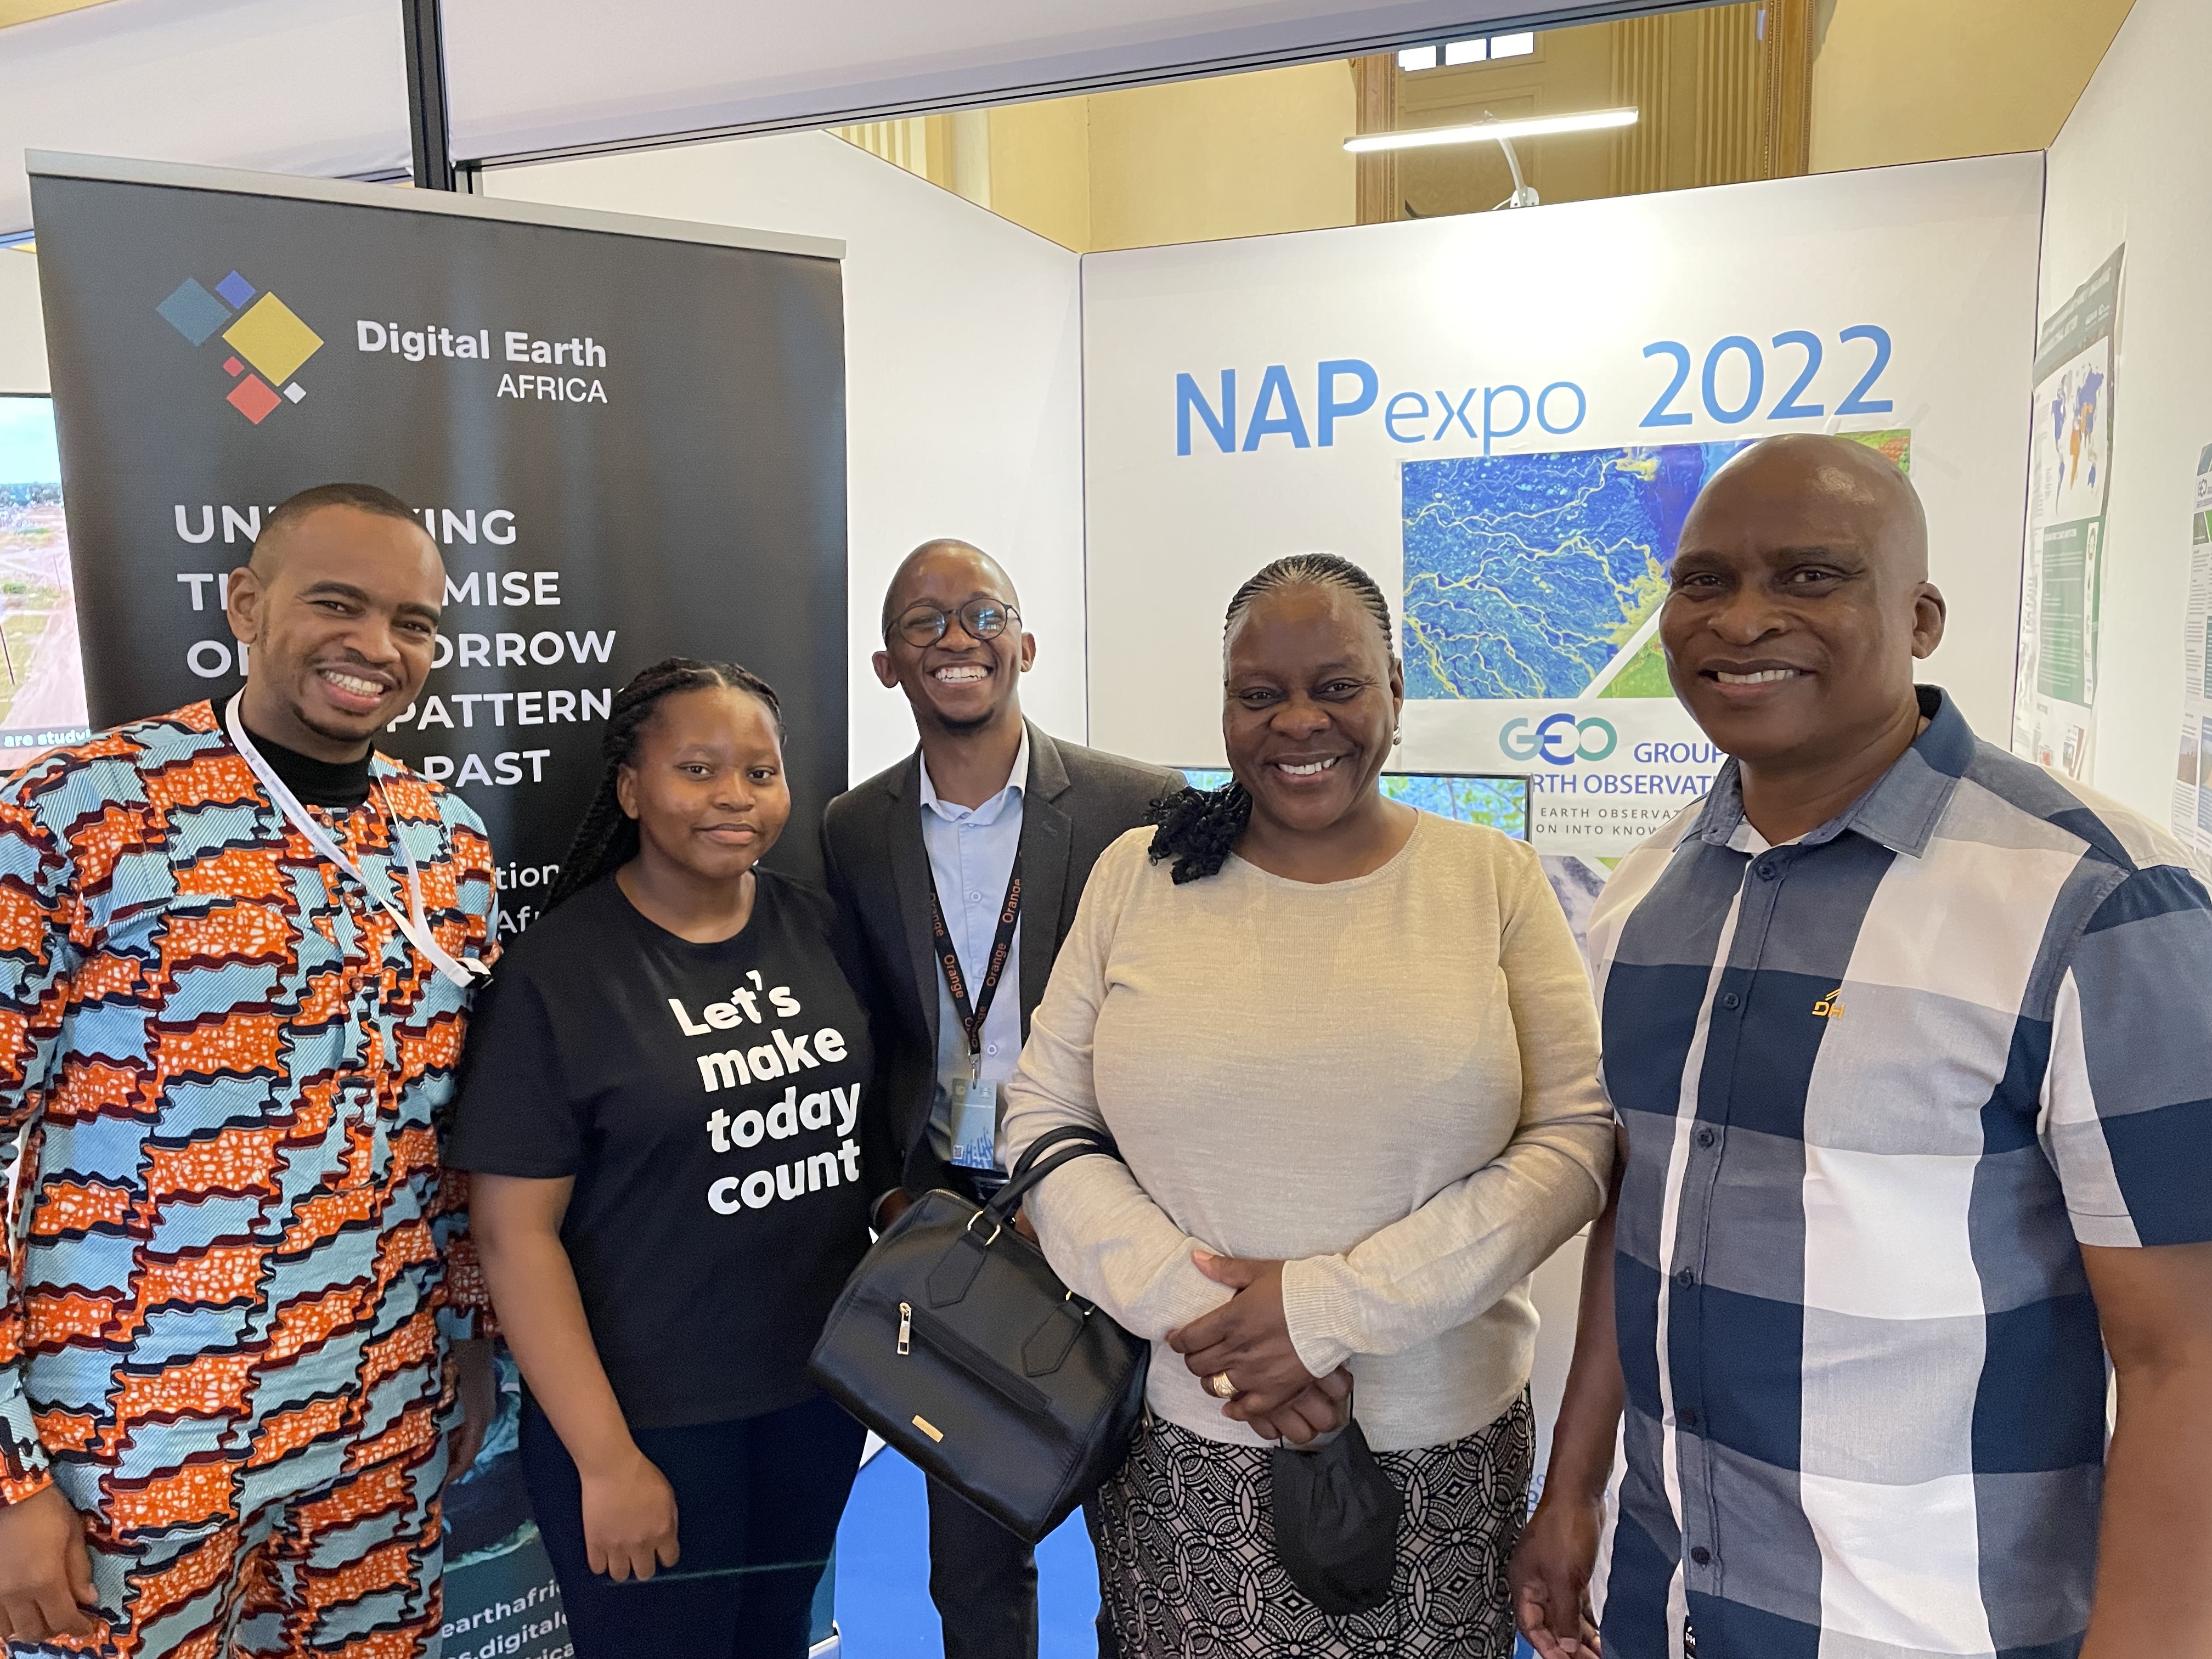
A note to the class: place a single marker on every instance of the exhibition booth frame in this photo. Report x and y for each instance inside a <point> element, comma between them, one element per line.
<point>1504,418</point>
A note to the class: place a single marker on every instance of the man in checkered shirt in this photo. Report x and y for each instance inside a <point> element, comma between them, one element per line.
<point>1908,1041</point>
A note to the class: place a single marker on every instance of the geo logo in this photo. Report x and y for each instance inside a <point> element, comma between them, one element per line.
<point>1560,738</point>
<point>265,332</point>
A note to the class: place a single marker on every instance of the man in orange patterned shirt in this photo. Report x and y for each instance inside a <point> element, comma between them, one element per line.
<point>236,954</point>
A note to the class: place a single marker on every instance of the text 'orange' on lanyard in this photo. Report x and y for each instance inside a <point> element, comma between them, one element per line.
<point>1002,944</point>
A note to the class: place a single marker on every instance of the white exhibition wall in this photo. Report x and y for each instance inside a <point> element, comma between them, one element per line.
<point>963,379</point>
<point>1938,259</point>
<point>2134,166</point>
<point>1942,258</point>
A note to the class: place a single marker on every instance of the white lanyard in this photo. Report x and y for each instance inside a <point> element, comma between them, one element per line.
<point>462,972</point>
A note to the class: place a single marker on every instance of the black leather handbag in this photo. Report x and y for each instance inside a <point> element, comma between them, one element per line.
<point>956,1341</point>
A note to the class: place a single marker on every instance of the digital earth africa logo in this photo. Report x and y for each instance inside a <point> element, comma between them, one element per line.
<point>262,332</point>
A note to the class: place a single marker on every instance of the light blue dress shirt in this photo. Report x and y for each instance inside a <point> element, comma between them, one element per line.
<point>971,856</point>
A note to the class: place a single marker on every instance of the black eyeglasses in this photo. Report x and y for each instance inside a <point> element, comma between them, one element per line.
<point>984,619</point>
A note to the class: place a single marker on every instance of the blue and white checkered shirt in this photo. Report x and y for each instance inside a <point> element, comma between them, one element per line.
<point>1878,1084</point>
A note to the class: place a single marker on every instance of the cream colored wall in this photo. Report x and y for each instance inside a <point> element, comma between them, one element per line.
<point>1920,80</point>
<point>1237,156</point>
<point>1040,168</point>
<point>22,326</point>
<point>1570,70</point>
<point>25,11</point>
<point>1251,154</point>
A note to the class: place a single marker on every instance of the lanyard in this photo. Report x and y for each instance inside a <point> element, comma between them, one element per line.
<point>461,972</point>
<point>1002,942</point>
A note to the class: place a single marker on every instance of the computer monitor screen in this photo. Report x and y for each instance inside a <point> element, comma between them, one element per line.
<point>1472,798</point>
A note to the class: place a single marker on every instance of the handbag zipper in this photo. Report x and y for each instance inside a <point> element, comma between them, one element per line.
<point>906,1329</point>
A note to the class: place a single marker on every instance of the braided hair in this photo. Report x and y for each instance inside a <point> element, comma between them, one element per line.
<point>607,838</point>
<point>1198,828</point>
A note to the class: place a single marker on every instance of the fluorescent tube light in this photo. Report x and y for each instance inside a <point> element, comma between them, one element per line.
<point>1492,131</point>
<point>1412,60</point>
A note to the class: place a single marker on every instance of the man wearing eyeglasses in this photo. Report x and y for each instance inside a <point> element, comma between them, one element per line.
<point>968,855</point>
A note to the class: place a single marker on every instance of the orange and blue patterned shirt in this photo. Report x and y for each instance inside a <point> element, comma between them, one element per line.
<point>223,1067</point>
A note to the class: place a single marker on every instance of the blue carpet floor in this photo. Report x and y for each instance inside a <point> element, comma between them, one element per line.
<point>883,1608</point>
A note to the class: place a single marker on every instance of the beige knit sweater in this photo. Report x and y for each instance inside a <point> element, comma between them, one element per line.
<point>1389,1083</point>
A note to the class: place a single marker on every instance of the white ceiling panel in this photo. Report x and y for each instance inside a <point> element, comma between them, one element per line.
<point>318,86</point>
<point>280,86</point>
<point>537,76</point>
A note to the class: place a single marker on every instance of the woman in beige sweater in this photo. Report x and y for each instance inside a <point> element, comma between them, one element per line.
<point>1348,1052</point>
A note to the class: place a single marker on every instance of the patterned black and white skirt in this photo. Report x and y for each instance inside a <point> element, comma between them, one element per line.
<point>1187,1563</point>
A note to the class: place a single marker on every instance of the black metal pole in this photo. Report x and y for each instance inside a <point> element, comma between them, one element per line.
<point>426,95</point>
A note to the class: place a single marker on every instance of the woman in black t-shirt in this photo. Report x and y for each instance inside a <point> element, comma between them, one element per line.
<point>661,1100</point>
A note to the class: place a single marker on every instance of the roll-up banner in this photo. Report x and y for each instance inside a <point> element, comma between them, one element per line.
<point>626,435</point>
<point>1506,416</point>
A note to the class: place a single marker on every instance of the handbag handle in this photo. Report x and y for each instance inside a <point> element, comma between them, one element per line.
<point>1083,1132</point>
<point>1076,1139</point>
<point>955,1270</point>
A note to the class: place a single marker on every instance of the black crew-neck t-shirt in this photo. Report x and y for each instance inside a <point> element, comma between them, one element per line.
<point>339,785</point>
<point>706,1099</point>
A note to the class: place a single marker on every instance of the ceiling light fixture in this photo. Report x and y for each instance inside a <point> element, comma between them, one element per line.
<point>1480,132</point>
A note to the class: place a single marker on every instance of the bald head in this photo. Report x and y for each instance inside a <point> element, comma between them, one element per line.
<point>945,555</point>
<point>1798,604</point>
<point>1839,475</point>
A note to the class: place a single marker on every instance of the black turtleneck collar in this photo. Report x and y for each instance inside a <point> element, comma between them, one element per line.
<point>343,784</point>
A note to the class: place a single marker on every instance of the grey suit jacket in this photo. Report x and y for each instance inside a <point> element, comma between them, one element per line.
<point>1075,803</point>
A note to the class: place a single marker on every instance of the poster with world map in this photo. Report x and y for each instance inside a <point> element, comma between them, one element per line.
<point>2062,563</point>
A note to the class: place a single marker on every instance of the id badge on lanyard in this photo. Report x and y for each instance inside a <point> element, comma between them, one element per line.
<point>976,1098</point>
<point>975,1123</point>
<point>461,971</point>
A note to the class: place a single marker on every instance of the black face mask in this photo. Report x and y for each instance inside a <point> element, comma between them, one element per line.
<point>1336,1523</point>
